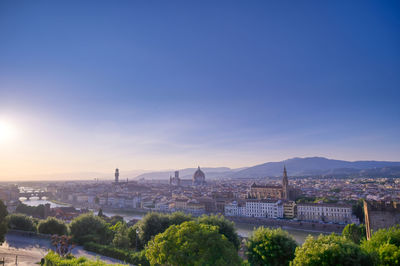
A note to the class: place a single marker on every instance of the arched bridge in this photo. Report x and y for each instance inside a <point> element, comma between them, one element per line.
<point>39,194</point>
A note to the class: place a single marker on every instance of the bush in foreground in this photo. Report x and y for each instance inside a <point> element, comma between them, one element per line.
<point>136,258</point>
<point>330,250</point>
<point>384,246</point>
<point>153,224</point>
<point>52,226</point>
<point>270,247</point>
<point>355,233</point>
<point>90,228</point>
<point>52,259</point>
<point>225,227</point>
<point>21,222</point>
<point>3,221</point>
<point>191,243</point>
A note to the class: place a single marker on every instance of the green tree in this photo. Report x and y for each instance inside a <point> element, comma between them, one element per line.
<point>354,232</point>
<point>36,211</point>
<point>52,226</point>
<point>389,254</point>
<point>153,224</point>
<point>270,247</point>
<point>21,222</point>
<point>384,246</point>
<point>178,218</point>
<point>90,228</point>
<point>121,237</point>
<point>330,250</point>
<point>100,213</point>
<point>133,237</point>
<point>225,227</point>
<point>358,210</point>
<point>3,221</point>
<point>191,243</point>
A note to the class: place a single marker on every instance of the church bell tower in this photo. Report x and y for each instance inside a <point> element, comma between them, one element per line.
<point>285,184</point>
<point>116,175</point>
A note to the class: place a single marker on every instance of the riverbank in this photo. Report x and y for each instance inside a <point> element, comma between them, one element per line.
<point>290,224</point>
<point>60,203</point>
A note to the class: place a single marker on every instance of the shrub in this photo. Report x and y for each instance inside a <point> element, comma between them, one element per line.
<point>21,222</point>
<point>384,246</point>
<point>52,259</point>
<point>225,227</point>
<point>137,258</point>
<point>52,226</point>
<point>3,221</point>
<point>121,238</point>
<point>330,250</point>
<point>354,232</point>
<point>270,247</point>
<point>90,228</point>
<point>191,243</point>
<point>153,224</point>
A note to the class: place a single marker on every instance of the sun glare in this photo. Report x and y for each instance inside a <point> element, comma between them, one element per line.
<point>7,131</point>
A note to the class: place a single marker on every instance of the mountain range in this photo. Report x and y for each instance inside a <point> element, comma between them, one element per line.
<point>310,166</point>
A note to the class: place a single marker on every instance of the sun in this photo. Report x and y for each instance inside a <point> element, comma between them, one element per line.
<point>7,131</point>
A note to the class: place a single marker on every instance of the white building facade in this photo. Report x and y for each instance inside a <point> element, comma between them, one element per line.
<point>256,208</point>
<point>325,212</point>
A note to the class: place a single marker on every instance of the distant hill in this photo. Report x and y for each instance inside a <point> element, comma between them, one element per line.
<point>319,166</point>
<point>187,173</point>
<point>310,166</point>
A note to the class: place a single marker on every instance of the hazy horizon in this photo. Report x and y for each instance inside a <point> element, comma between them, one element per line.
<point>94,85</point>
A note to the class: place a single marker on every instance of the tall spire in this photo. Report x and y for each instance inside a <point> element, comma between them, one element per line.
<point>285,183</point>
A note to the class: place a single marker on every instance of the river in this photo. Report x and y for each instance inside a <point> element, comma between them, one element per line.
<point>243,229</point>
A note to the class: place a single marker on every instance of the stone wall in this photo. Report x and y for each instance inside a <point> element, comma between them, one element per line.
<point>380,215</point>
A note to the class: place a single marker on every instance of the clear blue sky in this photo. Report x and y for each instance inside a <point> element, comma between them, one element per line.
<point>92,85</point>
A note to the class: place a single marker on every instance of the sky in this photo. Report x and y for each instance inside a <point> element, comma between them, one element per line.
<point>88,86</point>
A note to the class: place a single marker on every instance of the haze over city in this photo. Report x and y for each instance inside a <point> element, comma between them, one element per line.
<point>88,87</point>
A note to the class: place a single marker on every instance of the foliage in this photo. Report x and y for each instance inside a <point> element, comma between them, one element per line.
<point>358,210</point>
<point>100,213</point>
<point>153,224</point>
<point>225,227</point>
<point>191,243</point>
<point>389,254</point>
<point>116,219</point>
<point>133,237</point>
<point>21,222</point>
<point>3,221</point>
<point>136,258</point>
<point>354,232</point>
<point>35,211</point>
<point>90,228</point>
<point>384,246</point>
<point>121,238</point>
<point>52,226</point>
<point>325,200</point>
<point>330,250</point>
<point>52,259</point>
<point>270,247</point>
<point>305,199</point>
<point>62,244</point>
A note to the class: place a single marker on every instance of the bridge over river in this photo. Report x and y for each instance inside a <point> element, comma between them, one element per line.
<point>38,194</point>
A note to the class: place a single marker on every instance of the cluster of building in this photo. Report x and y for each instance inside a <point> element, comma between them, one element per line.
<point>275,201</point>
<point>232,197</point>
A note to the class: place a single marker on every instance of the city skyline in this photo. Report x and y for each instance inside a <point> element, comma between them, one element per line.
<point>88,87</point>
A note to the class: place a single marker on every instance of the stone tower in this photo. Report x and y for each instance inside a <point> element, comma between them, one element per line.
<point>116,175</point>
<point>285,184</point>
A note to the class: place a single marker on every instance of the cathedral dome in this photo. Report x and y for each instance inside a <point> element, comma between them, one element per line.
<point>199,177</point>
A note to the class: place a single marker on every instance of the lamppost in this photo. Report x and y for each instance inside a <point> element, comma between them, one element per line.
<point>136,238</point>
